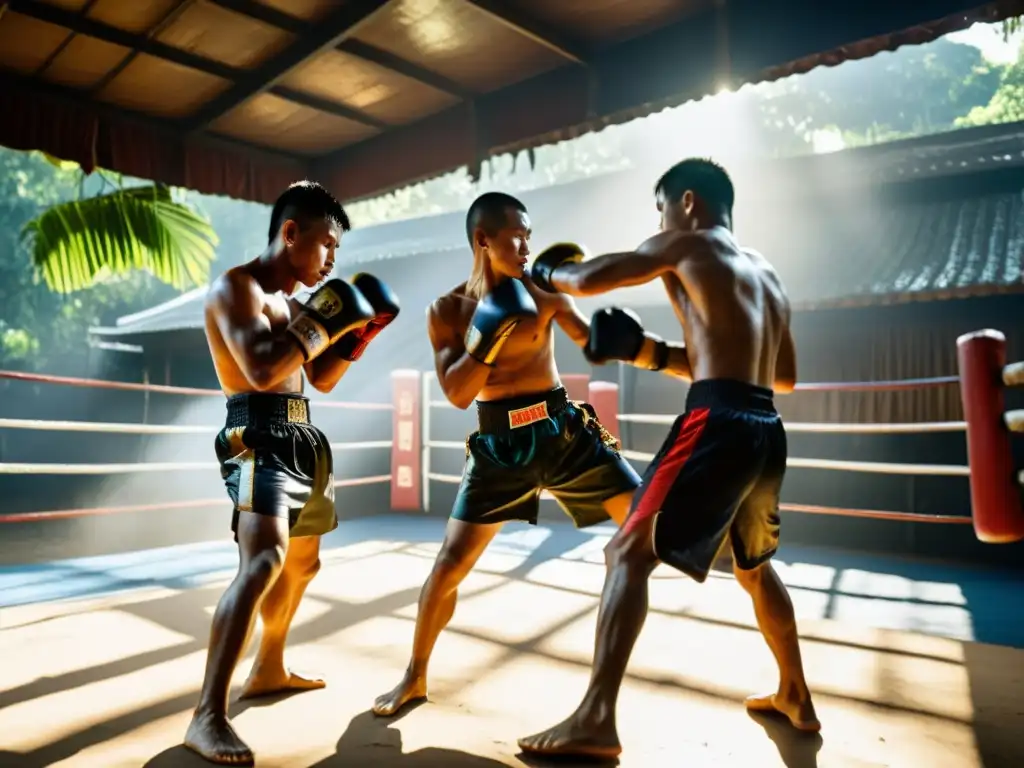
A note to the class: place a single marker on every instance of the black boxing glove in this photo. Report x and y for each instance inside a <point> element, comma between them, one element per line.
<point>616,334</point>
<point>333,310</point>
<point>496,316</point>
<point>552,258</point>
<point>385,307</point>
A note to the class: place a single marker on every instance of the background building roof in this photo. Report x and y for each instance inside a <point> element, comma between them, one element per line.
<point>925,219</point>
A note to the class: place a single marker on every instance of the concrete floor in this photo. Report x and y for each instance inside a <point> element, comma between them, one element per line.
<point>914,665</point>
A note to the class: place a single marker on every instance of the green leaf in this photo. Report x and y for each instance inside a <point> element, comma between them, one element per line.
<point>77,244</point>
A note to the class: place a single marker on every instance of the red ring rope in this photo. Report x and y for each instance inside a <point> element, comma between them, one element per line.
<point>73,381</point>
<point>876,514</point>
<point>878,386</point>
<point>65,514</point>
<point>812,509</point>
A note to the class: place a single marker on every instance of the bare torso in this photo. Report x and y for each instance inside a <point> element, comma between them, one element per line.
<point>277,313</point>
<point>526,362</point>
<point>732,306</point>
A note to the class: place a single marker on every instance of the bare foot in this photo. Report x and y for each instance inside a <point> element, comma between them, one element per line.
<point>213,738</point>
<point>799,713</point>
<point>411,689</point>
<point>264,682</point>
<point>571,738</point>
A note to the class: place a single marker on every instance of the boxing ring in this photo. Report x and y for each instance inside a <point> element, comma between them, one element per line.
<point>107,676</point>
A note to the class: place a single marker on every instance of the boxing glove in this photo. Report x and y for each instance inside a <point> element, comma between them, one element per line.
<point>551,259</point>
<point>496,316</point>
<point>333,310</point>
<point>385,307</point>
<point>616,334</point>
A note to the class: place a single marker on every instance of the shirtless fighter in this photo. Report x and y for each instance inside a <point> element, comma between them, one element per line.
<point>493,340</point>
<point>719,472</point>
<point>276,465</point>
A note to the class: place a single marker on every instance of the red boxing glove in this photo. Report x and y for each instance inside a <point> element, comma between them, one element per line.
<point>385,307</point>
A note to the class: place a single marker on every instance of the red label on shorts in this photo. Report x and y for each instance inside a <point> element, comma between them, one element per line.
<point>528,415</point>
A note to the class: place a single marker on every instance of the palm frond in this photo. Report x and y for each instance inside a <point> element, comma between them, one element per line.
<point>76,244</point>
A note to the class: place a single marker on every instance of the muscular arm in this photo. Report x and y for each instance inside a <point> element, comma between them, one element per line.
<point>678,364</point>
<point>325,371</point>
<point>785,365</point>
<point>572,321</point>
<point>265,358</point>
<point>653,258</point>
<point>460,375</point>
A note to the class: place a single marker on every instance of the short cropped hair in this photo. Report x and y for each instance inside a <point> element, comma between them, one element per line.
<point>304,202</point>
<point>489,212</point>
<point>705,178</point>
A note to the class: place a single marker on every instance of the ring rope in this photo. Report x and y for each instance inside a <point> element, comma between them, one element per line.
<point>1013,375</point>
<point>892,385</point>
<point>110,427</point>
<point>813,509</point>
<point>71,381</point>
<point>824,427</point>
<point>1014,420</point>
<point>14,468</point>
<point>61,514</point>
<point>876,514</point>
<point>876,467</point>
<point>452,444</point>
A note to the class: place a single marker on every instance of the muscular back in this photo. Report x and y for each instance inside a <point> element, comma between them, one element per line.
<point>526,362</point>
<point>733,309</point>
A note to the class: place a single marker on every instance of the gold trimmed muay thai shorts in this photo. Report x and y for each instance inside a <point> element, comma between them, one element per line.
<point>275,462</point>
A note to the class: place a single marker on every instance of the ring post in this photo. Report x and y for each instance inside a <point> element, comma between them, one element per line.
<point>406,441</point>
<point>577,386</point>
<point>604,396</point>
<point>995,495</point>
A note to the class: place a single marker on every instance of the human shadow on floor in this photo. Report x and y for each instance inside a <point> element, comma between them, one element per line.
<point>18,760</point>
<point>370,742</point>
<point>996,679</point>
<point>564,761</point>
<point>796,748</point>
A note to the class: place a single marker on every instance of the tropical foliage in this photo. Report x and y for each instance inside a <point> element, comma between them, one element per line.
<point>79,242</point>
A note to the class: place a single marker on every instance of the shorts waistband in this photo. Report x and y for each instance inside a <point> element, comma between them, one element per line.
<point>497,416</point>
<point>265,409</point>
<point>729,393</point>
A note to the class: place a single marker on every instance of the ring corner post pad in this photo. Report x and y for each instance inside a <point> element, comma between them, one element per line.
<point>407,438</point>
<point>996,505</point>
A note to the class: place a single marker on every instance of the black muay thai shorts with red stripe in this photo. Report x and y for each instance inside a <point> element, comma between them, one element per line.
<point>717,478</point>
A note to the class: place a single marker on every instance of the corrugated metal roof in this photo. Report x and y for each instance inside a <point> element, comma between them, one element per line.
<point>913,250</point>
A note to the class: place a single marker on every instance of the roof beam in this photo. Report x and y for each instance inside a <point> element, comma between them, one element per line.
<point>328,106</point>
<point>168,18</point>
<point>267,14</point>
<point>351,46</point>
<point>325,34</point>
<point>64,43</point>
<point>396,64</point>
<point>92,28</point>
<point>144,44</point>
<point>511,17</point>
